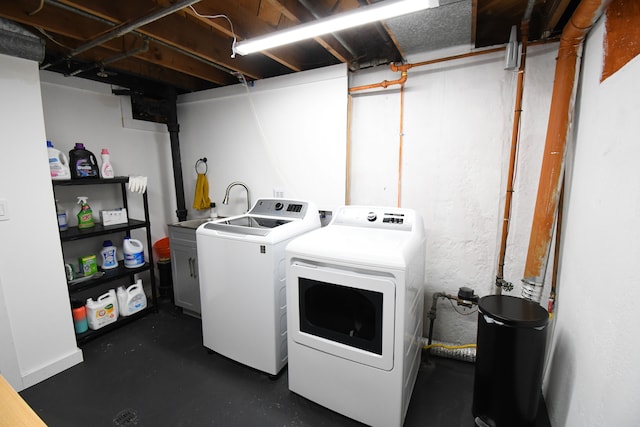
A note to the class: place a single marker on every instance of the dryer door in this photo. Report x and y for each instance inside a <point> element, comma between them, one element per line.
<point>342,312</point>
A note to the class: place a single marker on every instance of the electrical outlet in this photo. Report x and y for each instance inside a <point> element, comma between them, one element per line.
<point>278,193</point>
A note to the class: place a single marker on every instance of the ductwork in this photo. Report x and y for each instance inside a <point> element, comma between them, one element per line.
<point>560,115</point>
<point>16,41</point>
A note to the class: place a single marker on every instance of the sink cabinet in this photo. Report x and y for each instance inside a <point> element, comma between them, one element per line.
<point>184,269</point>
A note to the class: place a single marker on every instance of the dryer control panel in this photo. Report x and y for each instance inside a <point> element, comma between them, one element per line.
<point>375,217</point>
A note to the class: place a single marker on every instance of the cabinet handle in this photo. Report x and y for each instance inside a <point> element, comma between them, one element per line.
<point>190,267</point>
<point>195,269</point>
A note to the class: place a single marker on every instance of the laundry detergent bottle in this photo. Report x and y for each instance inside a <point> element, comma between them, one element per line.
<point>133,253</point>
<point>102,311</point>
<point>58,163</point>
<point>132,299</point>
<point>85,214</point>
<point>83,162</point>
<point>108,255</point>
<point>106,170</point>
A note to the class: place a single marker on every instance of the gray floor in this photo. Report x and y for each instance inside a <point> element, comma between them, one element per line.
<point>155,372</point>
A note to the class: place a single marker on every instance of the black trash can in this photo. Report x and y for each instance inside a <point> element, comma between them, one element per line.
<point>512,337</point>
<point>166,280</point>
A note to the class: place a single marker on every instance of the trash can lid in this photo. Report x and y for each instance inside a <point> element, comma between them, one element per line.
<point>513,311</point>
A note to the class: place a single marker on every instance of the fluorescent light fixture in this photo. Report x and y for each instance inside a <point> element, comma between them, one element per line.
<point>353,18</point>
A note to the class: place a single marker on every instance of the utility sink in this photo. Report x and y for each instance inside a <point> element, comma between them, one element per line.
<point>194,223</point>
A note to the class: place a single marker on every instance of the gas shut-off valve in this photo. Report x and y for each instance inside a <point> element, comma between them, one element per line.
<point>467,297</point>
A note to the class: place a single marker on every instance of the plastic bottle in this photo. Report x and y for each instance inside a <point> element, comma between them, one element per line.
<point>132,299</point>
<point>83,163</point>
<point>106,170</point>
<point>62,218</point>
<point>102,311</point>
<point>79,312</point>
<point>108,258</point>
<point>85,214</point>
<point>58,163</point>
<point>133,253</point>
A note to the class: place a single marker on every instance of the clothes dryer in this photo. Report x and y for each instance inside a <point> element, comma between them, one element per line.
<point>355,312</point>
<point>241,263</point>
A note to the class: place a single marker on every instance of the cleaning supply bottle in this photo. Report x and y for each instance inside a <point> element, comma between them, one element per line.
<point>133,253</point>
<point>132,299</point>
<point>108,255</point>
<point>103,311</point>
<point>106,170</point>
<point>62,218</point>
<point>58,163</point>
<point>85,214</point>
<point>83,162</point>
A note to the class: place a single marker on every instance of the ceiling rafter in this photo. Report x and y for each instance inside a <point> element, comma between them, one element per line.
<point>190,52</point>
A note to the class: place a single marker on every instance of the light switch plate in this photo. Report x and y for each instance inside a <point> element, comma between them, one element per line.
<point>4,209</point>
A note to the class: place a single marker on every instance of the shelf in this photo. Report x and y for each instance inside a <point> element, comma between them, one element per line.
<point>75,233</point>
<point>109,275</point>
<point>90,181</point>
<point>91,334</point>
<point>95,284</point>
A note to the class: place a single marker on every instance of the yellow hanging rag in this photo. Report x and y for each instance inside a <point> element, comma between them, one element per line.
<point>201,198</point>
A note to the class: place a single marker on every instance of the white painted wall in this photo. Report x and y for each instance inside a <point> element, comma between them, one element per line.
<point>36,329</point>
<point>78,110</point>
<point>284,133</point>
<point>458,118</point>
<point>593,377</point>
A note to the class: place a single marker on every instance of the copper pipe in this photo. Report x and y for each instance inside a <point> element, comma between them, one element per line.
<point>561,110</point>
<point>517,113</point>
<point>556,253</point>
<point>383,84</point>
<point>400,144</point>
<point>347,190</point>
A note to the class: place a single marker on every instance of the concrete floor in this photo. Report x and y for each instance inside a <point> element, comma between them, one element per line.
<point>156,372</point>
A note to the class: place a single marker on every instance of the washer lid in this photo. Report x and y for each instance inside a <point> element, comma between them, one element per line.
<point>247,224</point>
<point>513,311</point>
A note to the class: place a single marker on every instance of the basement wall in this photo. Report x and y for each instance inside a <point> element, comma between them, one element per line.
<point>37,338</point>
<point>458,118</point>
<point>79,110</point>
<point>281,134</point>
<point>592,378</point>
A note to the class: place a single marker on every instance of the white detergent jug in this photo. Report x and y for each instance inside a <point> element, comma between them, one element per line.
<point>132,299</point>
<point>103,311</point>
<point>133,253</point>
<point>58,163</point>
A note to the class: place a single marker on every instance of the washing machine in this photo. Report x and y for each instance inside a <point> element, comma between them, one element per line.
<point>241,263</point>
<point>355,302</point>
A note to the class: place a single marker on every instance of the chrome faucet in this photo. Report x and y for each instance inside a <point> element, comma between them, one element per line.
<point>225,201</point>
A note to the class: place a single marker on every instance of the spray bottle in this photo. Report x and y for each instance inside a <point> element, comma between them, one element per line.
<point>85,214</point>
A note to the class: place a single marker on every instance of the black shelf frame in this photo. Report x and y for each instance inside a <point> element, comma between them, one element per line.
<point>74,234</point>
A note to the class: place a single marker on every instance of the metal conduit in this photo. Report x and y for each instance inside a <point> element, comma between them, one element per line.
<point>517,114</point>
<point>153,39</point>
<point>119,31</point>
<point>551,173</point>
<point>307,5</point>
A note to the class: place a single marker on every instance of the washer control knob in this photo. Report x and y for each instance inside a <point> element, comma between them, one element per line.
<point>371,216</point>
<point>279,206</point>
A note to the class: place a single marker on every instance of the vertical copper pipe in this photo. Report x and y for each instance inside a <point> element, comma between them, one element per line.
<point>560,114</point>
<point>517,113</point>
<point>400,144</point>
<point>347,190</point>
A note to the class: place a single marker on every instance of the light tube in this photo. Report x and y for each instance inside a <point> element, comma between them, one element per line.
<point>353,18</point>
